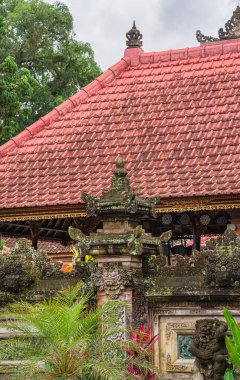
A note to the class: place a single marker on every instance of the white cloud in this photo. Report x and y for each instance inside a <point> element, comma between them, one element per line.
<point>165,24</point>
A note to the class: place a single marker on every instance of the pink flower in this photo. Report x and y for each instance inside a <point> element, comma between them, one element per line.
<point>5,250</point>
<point>143,338</point>
<point>134,337</point>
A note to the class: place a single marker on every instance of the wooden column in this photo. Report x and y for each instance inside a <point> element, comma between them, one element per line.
<point>196,228</point>
<point>34,228</point>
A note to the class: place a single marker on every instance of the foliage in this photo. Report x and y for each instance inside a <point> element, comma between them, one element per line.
<point>22,266</point>
<point>145,342</point>
<point>16,90</point>
<point>233,345</point>
<point>40,37</point>
<point>77,261</point>
<point>69,342</point>
<point>2,23</point>
<point>2,244</point>
<point>228,375</point>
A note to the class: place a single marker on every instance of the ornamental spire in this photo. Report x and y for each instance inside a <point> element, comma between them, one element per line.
<point>134,37</point>
<point>232,30</point>
<point>120,201</point>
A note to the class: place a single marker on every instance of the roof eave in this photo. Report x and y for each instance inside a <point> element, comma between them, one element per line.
<point>180,204</point>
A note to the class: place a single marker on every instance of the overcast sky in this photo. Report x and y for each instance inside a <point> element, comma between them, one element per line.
<point>165,24</point>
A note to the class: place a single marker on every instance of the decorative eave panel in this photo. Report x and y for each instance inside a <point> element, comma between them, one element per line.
<point>39,213</point>
<point>198,204</point>
<point>165,205</point>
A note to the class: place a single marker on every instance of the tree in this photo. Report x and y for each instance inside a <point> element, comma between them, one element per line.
<point>40,37</point>
<point>16,90</point>
<point>62,339</point>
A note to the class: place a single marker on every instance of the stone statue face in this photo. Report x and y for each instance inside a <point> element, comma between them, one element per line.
<point>111,277</point>
<point>204,331</point>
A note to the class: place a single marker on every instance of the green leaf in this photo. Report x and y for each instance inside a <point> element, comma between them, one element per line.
<point>232,324</point>
<point>72,339</point>
<point>233,345</point>
<point>233,352</point>
<point>228,375</point>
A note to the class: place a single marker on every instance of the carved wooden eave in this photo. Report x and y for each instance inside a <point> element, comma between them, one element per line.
<point>40,213</point>
<point>205,203</point>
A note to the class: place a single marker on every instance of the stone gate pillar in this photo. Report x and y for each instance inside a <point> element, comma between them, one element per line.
<point>120,246</point>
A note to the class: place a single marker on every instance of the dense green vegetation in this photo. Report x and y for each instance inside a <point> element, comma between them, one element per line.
<point>64,338</point>
<point>47,63</point>
<point>16,90</point>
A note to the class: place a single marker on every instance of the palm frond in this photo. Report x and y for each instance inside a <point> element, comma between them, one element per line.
<point>63,338</point>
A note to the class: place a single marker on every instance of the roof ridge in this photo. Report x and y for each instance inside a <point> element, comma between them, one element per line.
<point>202,51</point>
<point>69,104</point>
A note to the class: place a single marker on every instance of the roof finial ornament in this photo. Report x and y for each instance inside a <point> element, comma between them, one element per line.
<point>232,30</point>
<point>120,163</point>
<point>134,37</point>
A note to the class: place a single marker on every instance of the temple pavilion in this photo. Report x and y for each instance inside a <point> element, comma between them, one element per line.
<point>172,116</point>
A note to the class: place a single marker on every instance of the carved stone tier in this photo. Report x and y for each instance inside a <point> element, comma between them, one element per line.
<point>121,210</point>
<point>118,248</point>
<point>120,203</point>
<point>135,242</point>
<point>232,30</point>
<point>118,271</point>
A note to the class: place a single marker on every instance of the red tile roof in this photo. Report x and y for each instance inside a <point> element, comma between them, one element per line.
<point>51,247</point>
<point>173,116</point>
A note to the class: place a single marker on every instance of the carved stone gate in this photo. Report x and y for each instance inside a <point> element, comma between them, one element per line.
<point>130,266</point>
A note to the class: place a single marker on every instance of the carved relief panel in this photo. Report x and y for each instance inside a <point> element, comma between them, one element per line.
<point>176,328</point>
<point>175,360</point>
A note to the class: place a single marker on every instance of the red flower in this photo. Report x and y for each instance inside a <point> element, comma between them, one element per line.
<point>67,268</point>
<point>145,343</point>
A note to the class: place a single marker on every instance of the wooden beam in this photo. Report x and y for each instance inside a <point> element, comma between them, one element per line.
<point>28,236</point>
<point>34,228</point>
<point>16,225</point>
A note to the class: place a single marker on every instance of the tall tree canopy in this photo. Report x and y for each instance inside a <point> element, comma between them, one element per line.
<point>40,37</point>
<point>16,90</point>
